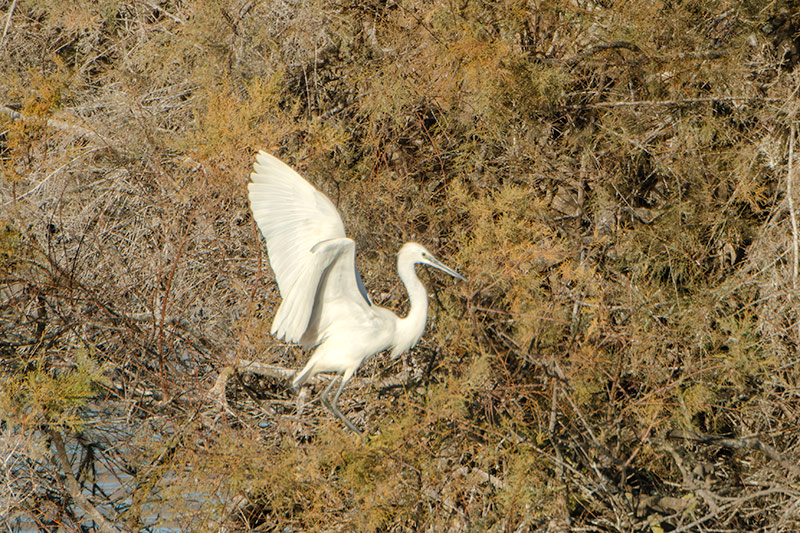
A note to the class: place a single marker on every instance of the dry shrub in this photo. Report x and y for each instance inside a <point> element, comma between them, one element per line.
<point>611,179</point>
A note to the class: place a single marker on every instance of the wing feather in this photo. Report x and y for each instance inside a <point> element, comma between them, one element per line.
<point>296,219</point>
<point>339,298</point>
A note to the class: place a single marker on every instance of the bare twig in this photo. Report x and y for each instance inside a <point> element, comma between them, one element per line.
<point>732,505</point>
<point>592,50</point>
<point>163,313</point>
<point>741,443</point>
<point>243,366</point>
<point>8,23</point>
<point>61,126</point>
<point>286,374</point>
<point>792,213</point>
<point>562,521</point>
<point>625,45</point>
<point>174,18</point>
<point>74,487</point>
<point>262,369</point>
<point>670,103</point>
<point>39,185</point>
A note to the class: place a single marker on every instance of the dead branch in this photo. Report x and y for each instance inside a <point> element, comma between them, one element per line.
<point>625,45</point>
<point>733,504</point>
<point>8,22</point>
<point>741,443</point>
<point>74,487</point>
<point>61,126</point>
<point>670,103</point>
<point>217,392</point>
<point>263,369</point>
<point>689,478</point>
<point>792,213</point>
<point>160,9</point>
<point>592,50</point>
<point>243,366</point>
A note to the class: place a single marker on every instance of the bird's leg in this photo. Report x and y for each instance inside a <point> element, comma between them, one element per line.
<point>324,395</point>
<point>331,405</point>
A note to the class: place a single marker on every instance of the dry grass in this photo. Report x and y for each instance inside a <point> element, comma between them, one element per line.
<point>613,181</point>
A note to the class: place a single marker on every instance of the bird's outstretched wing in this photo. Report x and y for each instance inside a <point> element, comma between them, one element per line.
<point>306,243</point>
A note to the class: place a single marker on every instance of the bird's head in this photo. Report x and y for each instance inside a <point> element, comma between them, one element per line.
<point>416,253</point>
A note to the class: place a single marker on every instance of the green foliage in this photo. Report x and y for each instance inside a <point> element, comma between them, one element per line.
<point>51,398</point>
<point>527,493</point>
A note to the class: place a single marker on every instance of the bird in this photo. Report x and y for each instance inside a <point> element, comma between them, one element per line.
<point>325,307</point>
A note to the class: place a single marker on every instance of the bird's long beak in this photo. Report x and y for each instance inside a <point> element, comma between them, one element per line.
<point>435,263</point>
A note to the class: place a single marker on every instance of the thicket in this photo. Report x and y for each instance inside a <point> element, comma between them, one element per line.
<point>613,178</point>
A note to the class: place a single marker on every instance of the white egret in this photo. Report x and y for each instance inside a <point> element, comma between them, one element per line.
<point>325,305</point>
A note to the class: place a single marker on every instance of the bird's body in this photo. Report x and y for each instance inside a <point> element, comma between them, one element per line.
<point>325,306</point>
<point>338,353</point>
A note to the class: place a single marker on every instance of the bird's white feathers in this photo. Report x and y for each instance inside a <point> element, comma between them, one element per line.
<point>324,303</point>
<point>306,245</point>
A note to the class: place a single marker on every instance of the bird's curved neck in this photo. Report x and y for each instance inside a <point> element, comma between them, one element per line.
<point>410,328</point>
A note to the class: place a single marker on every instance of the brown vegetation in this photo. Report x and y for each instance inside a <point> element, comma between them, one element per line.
<point>613,178</point>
